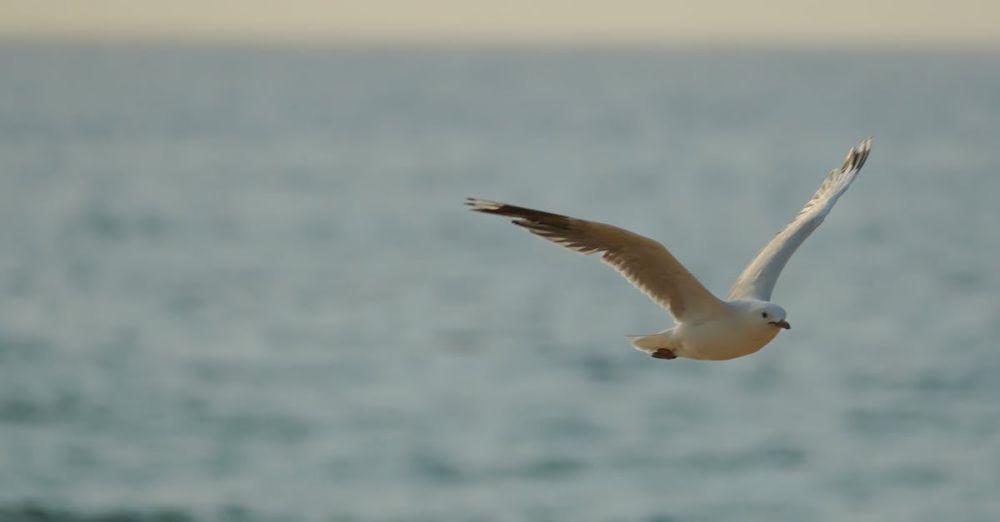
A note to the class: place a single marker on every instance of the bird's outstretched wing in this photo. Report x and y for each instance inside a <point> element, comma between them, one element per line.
<point>758,278</point>
<point>644,262</point>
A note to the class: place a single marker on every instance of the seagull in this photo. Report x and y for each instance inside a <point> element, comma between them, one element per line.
<point>706,327</point>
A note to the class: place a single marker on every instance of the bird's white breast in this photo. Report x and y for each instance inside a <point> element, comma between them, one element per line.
<point>723,338</point>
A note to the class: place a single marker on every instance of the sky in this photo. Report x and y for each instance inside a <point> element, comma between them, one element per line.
<point>842,23</point>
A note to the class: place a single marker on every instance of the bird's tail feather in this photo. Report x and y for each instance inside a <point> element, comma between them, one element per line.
<point>653,342</point>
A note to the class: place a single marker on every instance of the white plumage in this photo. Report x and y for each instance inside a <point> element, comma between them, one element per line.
<point>707,327</point>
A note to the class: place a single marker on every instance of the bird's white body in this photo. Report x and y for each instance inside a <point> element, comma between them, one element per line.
<point>734,333</point>
<point>707,328</point>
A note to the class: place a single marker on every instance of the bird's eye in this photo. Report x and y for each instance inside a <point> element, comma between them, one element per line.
<point>764,315</point>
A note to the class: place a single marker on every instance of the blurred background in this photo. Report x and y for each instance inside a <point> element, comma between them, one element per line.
<point>237,281</point>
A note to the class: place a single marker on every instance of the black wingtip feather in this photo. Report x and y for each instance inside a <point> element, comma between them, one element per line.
<point>525,216</point>
<point>857,156</point>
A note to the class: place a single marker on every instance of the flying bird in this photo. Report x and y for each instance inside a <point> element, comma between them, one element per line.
<point>707,328</point>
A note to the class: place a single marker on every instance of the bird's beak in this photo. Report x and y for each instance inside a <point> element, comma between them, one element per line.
<point>782,324</point>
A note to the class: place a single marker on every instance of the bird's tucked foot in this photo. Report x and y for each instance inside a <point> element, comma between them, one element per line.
<point>664,353</point>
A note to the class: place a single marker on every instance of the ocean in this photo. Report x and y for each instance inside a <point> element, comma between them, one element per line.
<point>239,284</point>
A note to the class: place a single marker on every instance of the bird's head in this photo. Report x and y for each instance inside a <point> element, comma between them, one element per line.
<point>772,315</point>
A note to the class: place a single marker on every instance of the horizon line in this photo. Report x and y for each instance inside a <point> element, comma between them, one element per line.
<point>896,45</point>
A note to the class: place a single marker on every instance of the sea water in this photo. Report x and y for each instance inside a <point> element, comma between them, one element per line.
<point>239,284</point>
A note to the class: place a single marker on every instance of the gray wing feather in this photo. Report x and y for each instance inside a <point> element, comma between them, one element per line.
<point>759,277</point>
<point>644,262</point>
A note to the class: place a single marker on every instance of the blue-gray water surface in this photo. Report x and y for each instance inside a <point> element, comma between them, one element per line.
<point>239,284</point>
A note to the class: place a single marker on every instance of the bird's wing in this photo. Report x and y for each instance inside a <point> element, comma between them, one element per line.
<point>644,262</point>
<point>758,278</point>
